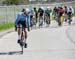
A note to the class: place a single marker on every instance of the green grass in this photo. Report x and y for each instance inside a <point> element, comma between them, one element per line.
<point>6,26</point>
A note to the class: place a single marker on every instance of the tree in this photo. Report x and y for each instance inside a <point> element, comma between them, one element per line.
<point>10,2</point>
<point>23,1</point>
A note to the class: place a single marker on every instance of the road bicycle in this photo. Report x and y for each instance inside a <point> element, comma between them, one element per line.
<point>22,43</point>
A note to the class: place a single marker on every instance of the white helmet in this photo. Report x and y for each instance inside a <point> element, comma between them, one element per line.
<point>42,8</point>
<point>27,10</point>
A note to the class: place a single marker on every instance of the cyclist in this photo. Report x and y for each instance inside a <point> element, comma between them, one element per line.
<point>41,14</point>
<point>65,14</point>
<point>32,18</point>
<point>21,20</point>
<point>60,14</point>
<point>36,13</point>
<point>70,13</point>
<point>47,16</point>
<point>55,13</point>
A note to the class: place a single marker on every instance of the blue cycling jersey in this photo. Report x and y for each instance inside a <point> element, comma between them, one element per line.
<point>21,17</point>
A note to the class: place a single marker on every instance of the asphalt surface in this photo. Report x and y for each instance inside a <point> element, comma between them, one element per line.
<point>52,42</point>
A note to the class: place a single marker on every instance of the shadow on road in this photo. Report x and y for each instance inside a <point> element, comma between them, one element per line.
<point>11,53</point>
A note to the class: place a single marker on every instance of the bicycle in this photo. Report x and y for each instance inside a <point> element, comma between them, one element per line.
<point>22,38</point>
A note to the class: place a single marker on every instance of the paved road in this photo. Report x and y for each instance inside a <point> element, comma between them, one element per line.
<point>47,43</point>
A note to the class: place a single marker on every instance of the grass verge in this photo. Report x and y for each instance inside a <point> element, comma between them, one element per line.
<point>5,26</point>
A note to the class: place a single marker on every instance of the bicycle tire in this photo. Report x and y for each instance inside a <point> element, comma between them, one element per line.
<point>22,49</point>
<point>22,42</point>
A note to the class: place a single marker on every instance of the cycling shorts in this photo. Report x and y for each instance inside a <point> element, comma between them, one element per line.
<point>23,23</point>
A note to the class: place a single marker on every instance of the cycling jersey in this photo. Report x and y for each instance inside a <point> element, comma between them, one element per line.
<point>60,11</point>
<point>22,17</point>
<point>69,12</point>
<point>47,12</point>
<point>65,9</point>
<point>41,11</point>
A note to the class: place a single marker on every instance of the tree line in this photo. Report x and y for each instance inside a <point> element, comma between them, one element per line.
<point>14,2</point>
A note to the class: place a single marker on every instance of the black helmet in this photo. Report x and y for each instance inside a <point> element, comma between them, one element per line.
<point>23,10</point>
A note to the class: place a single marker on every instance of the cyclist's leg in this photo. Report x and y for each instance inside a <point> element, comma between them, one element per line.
<point>46,19</point>
<point>25,31</point>
<point>41,21</point>
<point>19,36</point>
<point>66,17</point>
<point>70,19</point>
<point>62,20</point>
<point>36,16</point>
<point>25,40</point>
<point>59,20</point>
<point>49,20</point>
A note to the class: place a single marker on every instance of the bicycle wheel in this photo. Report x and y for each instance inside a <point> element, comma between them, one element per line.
<point>21,44</point>
<point>22,49</point>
